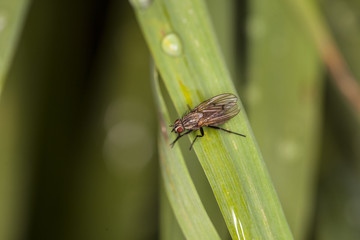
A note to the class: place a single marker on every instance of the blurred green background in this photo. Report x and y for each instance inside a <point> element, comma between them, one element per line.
<point>78,124</point>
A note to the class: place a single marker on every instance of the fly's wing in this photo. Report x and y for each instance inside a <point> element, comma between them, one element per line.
<point>218,109</point>
<point>216,102</point>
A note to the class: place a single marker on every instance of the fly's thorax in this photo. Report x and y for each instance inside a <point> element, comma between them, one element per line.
<point>190,120</point>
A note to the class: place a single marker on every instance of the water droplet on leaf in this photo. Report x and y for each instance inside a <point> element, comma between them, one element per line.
<point>171,45</point>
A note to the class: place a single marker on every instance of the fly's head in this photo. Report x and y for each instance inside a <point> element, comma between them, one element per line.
<point>178,126</point>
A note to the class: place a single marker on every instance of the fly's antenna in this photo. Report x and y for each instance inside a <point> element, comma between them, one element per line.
<point>173,126</point>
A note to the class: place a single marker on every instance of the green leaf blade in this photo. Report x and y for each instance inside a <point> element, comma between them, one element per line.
<point>180,189</point>
<point>12,15</point>
<point>232,164</point>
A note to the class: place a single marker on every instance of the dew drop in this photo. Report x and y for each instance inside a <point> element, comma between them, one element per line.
<point>171,44</point>
<point>141,3</point>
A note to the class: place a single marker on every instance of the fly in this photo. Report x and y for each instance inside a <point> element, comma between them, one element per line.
<point>210,113</point>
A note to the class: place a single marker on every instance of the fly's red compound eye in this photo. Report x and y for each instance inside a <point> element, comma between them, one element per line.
<point>179,129</point>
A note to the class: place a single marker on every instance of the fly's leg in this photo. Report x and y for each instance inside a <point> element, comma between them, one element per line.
<point>202,134</point>
<point>219,128</point>
<point>178,137</point>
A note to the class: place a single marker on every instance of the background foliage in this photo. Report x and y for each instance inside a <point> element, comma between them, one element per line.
<point>78,123</point>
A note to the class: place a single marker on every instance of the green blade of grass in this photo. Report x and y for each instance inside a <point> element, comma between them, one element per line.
<point>285,92</point>
<point>339,179</point>
<point>180,189</point>
<point>193,70</point>
<point>169,227</point>
<point>348,85</point>
<point>346,32</point>
<point>13,171</point>
<point>12,14</point>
